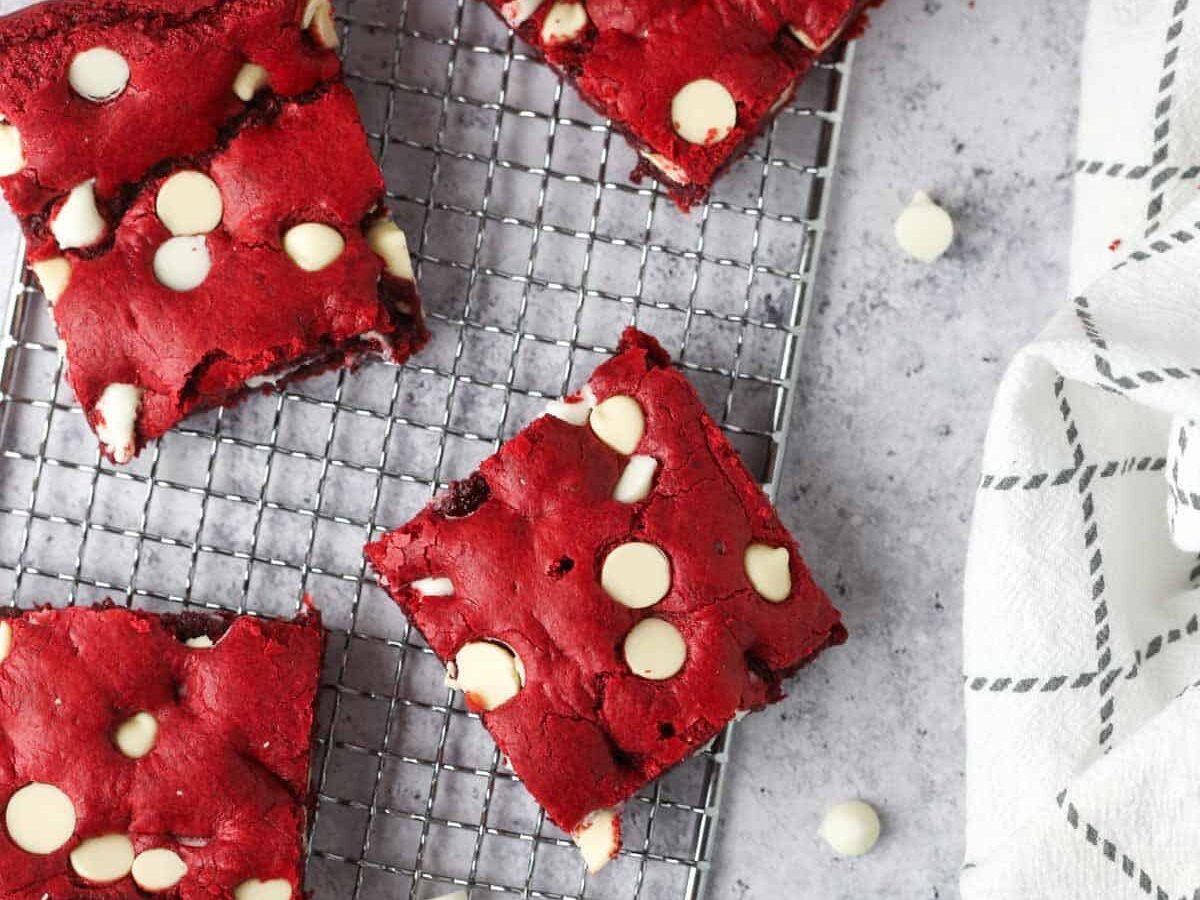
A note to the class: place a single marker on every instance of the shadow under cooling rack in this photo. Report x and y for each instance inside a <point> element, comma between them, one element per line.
<point>533,251</point>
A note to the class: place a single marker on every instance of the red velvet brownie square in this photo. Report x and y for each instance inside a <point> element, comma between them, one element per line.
<point>609,590</point>
<point>145,754</point>
<point>689,82</point>
<point>270,259</point>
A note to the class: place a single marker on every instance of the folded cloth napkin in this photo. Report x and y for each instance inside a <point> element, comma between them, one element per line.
<point>1082,624</point>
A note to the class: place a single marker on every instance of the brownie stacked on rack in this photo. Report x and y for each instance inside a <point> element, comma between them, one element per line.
<point>689,82</point>
<point>199,202</point>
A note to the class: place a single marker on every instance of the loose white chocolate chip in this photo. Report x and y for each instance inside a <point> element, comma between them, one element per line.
<point>598,839</point>
<point>203,642</point>
<point>565,22</point>
<point>517,11</point>
<point>182,264</point>
<point>851,829</point>
<point>12,157</point>
<point>118,409</point>
<point>313,246</point>
<point>40,818</point>
<point>276,889</point>
<point>189,203</point>
<point>654,649</point>
<point>924,230</point>
<point>489,673</point>
<point>103,860</point>
<point>619,422</point>
<point>78,222</point>
<point>575,413</point>
<point>6,640</point>
<point>637,479</point>
<point>387,240</point>
<point>250,79</point>
<point>136,735</point>
<point>636,575</point>
<point>318,19</point>
<point>668,168</point>
<point>53,275</point>
<point>98,74</point>
<point>158,870</point>
<point>770,571</point>
<point>703,112</point>
<point>433,587</point>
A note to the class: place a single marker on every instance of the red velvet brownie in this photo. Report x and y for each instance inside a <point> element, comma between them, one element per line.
<point>609,590</point>
<point>145,754</point>
<point>689,82</point>
<point>270,259</point>
<point>201,204</point>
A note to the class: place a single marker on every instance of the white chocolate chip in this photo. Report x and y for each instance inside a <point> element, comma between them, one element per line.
<point>250,79</point>
<point>517,11</point>
<point>565,22</point>
<point>489,673</point>
<point>182,264</point>
<point>637,479</point>
<point>203,642</point>
<point>851,829</point>
<point>158,870</point>
<point>103,860</point>
<point>98,74</point>
<point>12,157</point>
<point>782,100</point>
<point>189,203</point>
<point>654,649</point>
<point>78,222</point>
<point>387,240</point>
<point>136,735</point>
<point>40,818</point>
<point>318,19</point>
<point>6,640</point>
<point>118,409</point>
<point>276,889</point>
<point>668,168</point>
<point>53,275</point>
<point>770,571</point>
<point>619,422</point>
<point>313,246</point>
<point>807,41</point>
<point>924,230</point>
<point>598,839</point>
<point>433,587</point>
<point>703,112</point>
<point>636,575</point>
<point>573,413</point>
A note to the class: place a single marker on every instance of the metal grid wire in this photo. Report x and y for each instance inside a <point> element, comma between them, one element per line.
<point>533,251</point>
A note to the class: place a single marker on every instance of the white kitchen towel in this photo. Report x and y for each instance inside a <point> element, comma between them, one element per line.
<point>1082,622</point>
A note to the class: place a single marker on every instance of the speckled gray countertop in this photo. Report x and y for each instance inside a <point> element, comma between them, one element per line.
<point>975,103</point>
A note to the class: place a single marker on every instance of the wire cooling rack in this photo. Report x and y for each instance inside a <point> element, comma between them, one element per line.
<point>533,251</point>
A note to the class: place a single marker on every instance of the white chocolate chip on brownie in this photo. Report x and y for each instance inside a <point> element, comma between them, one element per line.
<point>637,479</point>
<point>668,168</point>
<point>78,222</point>
<point>12,157</point>
<point>517,11</point>
<point>135,737</point>
<point>598,839</point>
<point>769,570</point>
<point>118,409</point>
<point>189,203</point>
<point>318,20</point>
<point>387,240</point>
<point>182,263</point>
<point>433,587</point>
<point>6,640</point>
<point>53,275</point>
<point>313,246</point>
<point>489,673</point>
<point>39,818</point>
<point>250,79</point>
<point>636,575</point>
<point>620,423</point>
<point>103,860</point>
<point>158,870</point>
<point>575,413</point>
<point>565,22</point>
<point>654,649</point>
<point>275,889</point>
<point>98,74</point>
<point>703,112</point>
<point>201,642</point>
